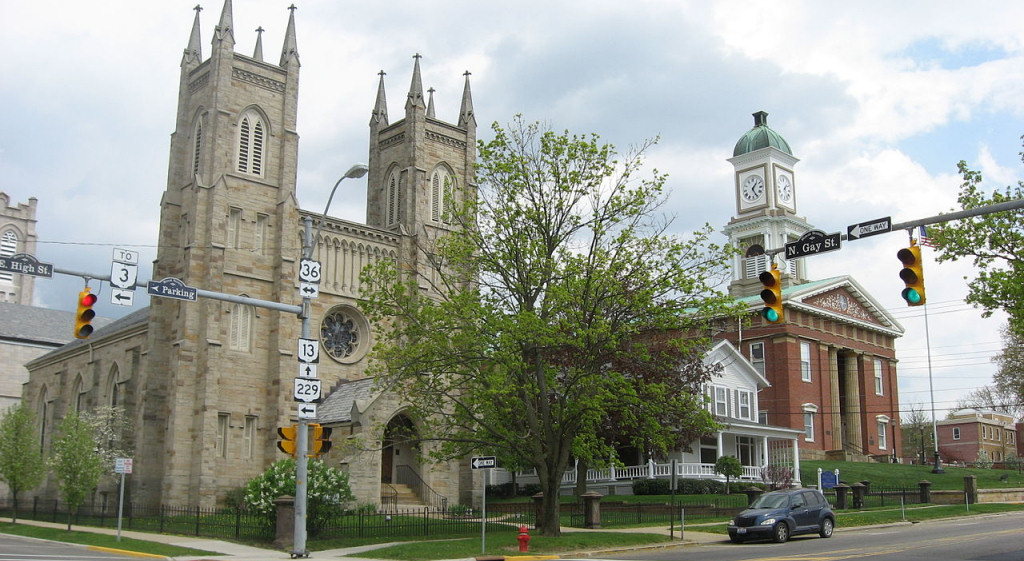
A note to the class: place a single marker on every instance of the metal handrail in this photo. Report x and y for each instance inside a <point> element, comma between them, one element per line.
<point>388,497</point>
<point>405,475</point>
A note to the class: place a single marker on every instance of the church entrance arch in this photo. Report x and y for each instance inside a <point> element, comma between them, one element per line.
<point>399,450</point>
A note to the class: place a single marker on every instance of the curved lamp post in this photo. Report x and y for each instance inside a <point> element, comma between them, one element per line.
<point>354,172</point>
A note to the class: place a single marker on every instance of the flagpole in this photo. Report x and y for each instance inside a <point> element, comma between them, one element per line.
<point>937,468</point>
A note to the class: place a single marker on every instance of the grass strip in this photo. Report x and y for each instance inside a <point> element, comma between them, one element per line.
<point>505,544</point>
<point>99,540</point>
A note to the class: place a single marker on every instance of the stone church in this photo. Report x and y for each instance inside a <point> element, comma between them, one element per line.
<point>207,383</point>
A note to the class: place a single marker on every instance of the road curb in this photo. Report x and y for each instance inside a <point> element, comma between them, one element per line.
<point>125,552</point>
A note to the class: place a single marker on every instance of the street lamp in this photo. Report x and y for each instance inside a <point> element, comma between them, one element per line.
<point>302,436</point>
<point>354,172</point>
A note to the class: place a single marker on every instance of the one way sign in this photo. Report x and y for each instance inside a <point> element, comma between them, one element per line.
<point>480,462</point>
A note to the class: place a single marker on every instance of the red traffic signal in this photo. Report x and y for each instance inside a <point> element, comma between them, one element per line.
<point>84,314</point>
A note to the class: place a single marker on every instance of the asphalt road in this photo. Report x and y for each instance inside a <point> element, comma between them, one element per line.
<point>979,538</point>
<point>17,548</point>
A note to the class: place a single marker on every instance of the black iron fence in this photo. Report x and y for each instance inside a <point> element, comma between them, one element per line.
<point>223,523</point>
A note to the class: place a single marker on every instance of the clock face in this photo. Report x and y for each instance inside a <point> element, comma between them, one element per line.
<point>753,188</point>
<point>785,189</point>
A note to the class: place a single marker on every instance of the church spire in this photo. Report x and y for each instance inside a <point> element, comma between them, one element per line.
<point>194,51</point>
<point>466,116</point>
<point>258,52</point>
<point>225,30</point>
<point>290,51</point>
<point>430,103</point>
<point>380,108</point>
<point>416,87</point>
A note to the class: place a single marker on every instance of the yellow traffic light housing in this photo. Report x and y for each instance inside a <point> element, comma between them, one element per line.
<point>772,295</point>
<point>84,314</point>
<point>287,444</point>
<point>321,440</point>
<point>912,274</point>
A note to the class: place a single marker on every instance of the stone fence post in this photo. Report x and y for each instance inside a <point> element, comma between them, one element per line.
<point>859,490</point>
<point>971,488</point>
<point>752,494</point>
<point>284,534</point>
<point>841,490</point>
<point>926,491</point>
<point>591,509</point>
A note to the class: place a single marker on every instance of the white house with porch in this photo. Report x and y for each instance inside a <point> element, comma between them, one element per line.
<point>733,399</point>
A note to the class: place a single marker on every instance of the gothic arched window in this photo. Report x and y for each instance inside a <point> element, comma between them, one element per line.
<point>442,195</point>
<point>8,247</point>
<point>251,138</point>
<point>197,146</point>
<point>241,327</point>
<point>392,194</point>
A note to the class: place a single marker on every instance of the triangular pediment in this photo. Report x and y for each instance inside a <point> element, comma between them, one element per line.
<point>842,298</point>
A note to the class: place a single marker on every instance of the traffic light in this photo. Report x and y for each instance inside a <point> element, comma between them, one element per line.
<point>287,444</point>
<point>321,440</point>
<point>772,295</point>
<point>85,313</point>
<point>912,274</point>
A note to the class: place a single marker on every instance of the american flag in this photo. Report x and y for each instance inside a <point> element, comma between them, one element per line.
<point>925,241</point>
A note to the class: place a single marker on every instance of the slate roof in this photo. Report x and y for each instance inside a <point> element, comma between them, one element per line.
<point>337,407</point>
<point>39,325</point>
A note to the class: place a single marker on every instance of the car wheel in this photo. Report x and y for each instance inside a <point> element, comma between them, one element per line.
<point>735,539</point>
<point>827,527</point>
<point>780,533</point>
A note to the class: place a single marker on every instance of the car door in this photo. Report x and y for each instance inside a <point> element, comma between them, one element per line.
<point>811,513</point>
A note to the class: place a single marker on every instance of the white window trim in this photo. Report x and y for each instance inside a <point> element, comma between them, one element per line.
<point>805,361</point>
<point>809,410</point>
<point>879,387</point>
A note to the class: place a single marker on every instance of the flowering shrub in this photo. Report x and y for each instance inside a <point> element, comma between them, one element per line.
<point>327,491</point>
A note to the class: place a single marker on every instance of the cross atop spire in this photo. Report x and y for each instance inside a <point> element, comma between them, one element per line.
<point>379,116</point>
<point>416,87</point>
<point>194,51</point>
<point>430,103</point>
<point>467,118</point>
<point>290,50</point>
<point>225,31</point>
<point>258,52</point>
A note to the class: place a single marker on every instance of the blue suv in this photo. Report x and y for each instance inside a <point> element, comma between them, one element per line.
<point>781,514</point>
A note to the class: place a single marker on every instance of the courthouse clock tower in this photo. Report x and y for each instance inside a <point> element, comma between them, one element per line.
<point>765,192</point>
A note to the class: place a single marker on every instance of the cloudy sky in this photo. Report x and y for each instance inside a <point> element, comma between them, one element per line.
<point>878,99</point>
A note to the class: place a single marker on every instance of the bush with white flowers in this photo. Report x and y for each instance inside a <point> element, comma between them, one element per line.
<point>327,490</point>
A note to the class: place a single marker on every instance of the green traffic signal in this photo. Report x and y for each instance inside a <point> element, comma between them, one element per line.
<point>912,274</point>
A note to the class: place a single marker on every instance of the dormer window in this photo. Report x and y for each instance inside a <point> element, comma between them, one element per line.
<point>251,138</point>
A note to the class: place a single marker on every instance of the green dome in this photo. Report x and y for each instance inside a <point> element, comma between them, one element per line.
<point>760,137</point>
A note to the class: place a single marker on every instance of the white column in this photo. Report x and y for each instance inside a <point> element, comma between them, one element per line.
<point>796,461</point>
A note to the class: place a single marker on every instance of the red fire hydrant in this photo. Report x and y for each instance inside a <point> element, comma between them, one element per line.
<point>524,538</point>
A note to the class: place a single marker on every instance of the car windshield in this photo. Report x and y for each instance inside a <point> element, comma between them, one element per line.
<point>771,501</point>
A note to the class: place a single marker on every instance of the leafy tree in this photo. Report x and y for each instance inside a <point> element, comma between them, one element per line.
<point>327,490</point>
<point>995,242</point>
<point>730,467</point>
<point>916,433</point>
<point>112,432</point>
<point>21,462</point>
<point>1009,378</point>
<point>75,462</point>
<point>984,461</point>
<point>562,312</point>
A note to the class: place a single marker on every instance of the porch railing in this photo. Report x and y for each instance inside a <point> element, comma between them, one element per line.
<point>650,470</point>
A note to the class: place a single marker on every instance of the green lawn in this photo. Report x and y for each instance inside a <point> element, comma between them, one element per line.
<point>903,475</point>
<point>100,540</point>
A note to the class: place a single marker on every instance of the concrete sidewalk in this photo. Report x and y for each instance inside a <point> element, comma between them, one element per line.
<point>221,550</point>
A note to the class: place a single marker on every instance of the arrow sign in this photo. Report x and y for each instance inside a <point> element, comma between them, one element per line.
<point>307,411</point>
<point>871,228</point>
<point>307,370</point>
<point>122,297</point>
<point>480,462</point>
<point>309,290</point>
